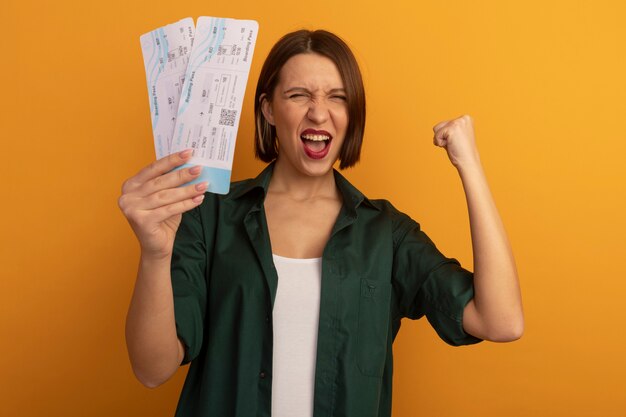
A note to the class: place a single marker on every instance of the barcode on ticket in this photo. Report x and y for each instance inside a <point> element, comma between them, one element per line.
<point>227,117</point>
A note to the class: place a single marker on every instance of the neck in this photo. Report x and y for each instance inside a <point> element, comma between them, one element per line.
<point>297,185</point>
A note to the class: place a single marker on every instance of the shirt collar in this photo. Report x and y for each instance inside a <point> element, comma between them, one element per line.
<point>352,197</point>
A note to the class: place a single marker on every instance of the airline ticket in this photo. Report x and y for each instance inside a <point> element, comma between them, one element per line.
<point>209,104</point>
<point>166,52</point>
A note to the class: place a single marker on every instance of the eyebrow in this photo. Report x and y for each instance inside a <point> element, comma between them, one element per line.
<point>331,91</point>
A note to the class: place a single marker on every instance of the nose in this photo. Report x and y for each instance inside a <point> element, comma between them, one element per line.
<point>318,111</point>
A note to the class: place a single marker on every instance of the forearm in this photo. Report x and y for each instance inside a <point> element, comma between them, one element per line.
<point>497,299</point>
<point>153,346</point>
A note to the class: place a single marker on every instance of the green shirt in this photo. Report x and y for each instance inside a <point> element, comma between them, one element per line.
<point>377,267</point>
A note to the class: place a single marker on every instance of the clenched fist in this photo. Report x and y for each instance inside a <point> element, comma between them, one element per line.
<point>456,136</point>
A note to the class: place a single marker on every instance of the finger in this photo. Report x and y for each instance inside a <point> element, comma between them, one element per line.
<point>162,166</point>
<point>172,179</point>
<point>173,195</point>
<point>441,137</point>
<point>165,212</point>
<point>440,125</point>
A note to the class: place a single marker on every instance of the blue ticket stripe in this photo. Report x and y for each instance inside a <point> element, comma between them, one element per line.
<point>159,65</point>
<point>218,179</point>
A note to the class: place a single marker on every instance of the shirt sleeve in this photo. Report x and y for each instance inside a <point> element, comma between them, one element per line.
<point>428,283</point>
<point>188,272</point>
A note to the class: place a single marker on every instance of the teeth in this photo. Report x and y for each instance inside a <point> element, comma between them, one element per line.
<point>316,138</point>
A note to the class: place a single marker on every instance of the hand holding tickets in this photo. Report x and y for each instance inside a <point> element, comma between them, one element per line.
<point>196,84</point>
<point>153,202</point>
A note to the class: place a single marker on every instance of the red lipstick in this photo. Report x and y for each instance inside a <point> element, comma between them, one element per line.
<point>316,143</point>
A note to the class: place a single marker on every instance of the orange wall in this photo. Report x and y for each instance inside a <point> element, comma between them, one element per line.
<point>544,82</point>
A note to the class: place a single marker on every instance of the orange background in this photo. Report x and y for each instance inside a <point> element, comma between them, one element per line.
<point>544,82</point>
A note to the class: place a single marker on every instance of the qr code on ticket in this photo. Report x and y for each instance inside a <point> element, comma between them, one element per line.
<point>227,117</point>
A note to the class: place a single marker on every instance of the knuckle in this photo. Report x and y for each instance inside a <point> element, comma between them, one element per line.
<point>160,196</point>
<point>173,160</point>
<point>153,168</point>
<point>170,209</point>
<point>156,182</point>
<point>129,213</point>
<point>122,201</point>
<point>128,186</point>
<point>184,205</point>
<point>150,169</point>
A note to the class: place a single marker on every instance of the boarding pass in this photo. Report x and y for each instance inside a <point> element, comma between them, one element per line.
<point>197,79</point>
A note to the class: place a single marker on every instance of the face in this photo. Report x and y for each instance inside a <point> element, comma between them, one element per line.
<point>310,113</point>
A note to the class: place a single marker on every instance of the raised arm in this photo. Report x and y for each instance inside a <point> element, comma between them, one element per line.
<point>153,203</point>
<point>496,312</point>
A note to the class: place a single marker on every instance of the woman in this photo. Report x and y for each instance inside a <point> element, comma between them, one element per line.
<point>286,294</point>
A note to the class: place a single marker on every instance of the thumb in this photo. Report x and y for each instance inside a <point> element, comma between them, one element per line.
<point>441,137</point>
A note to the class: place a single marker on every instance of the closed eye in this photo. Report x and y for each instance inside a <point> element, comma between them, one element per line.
<point>299,97</point>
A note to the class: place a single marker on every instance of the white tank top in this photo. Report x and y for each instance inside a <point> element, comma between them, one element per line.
<point>295,321</point>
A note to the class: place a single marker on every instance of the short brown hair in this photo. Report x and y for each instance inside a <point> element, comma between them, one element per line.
<point>331,46</point>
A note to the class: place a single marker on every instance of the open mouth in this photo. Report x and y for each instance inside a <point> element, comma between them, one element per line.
<point>316,143</point>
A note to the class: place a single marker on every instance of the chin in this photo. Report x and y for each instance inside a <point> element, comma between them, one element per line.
<point>306,166</point>
<point>316,168</point>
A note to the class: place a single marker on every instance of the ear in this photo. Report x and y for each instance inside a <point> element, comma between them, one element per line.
<point>266,108</point>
